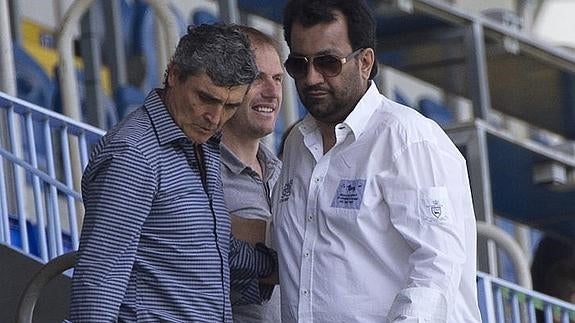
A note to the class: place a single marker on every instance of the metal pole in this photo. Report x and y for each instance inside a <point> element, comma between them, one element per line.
<point>7,73</point>
<point>90,45</point>
<point>115,56</point>
<point>477,70</point>
<point>229,11</point>
<point>68,83</point>
<point>14,7</point>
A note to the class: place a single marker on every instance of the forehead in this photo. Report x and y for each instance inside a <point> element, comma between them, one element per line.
<point>330,37</point>
<point>267,57</point>
<point>203,85</point>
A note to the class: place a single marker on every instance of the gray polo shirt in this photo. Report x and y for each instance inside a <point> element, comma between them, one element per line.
<point>247,195</point>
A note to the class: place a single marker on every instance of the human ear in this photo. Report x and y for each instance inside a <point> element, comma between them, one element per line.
<point>366,61</point>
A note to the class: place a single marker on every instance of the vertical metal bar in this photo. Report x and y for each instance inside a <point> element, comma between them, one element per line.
<point>485,289</point>
<point>7,73</point>
<point>515,313</point>
<point>90,44</point>
<point>477,70</point>
<point>564,316</point>
<point>83,150</point>
<point>548,310</point>
<point>531,310</point>
<point>67,165</point>
<point>19,175</point>
<point>229,11</point>
<point>68,82</point>
<point>4,222</point>
<point>37,194</point>
<point>499,306</point>
<point>114,42</point>
<point>53,209</point>
<point>478,164</point>
<point>14,7</point>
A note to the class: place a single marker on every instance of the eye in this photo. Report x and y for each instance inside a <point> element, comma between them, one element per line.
<point>279,78</point>
<point>231,106</point>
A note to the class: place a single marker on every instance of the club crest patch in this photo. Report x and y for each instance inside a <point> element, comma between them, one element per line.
<point>435,209</point>
<point>349,194</point>
<point>434,205</point>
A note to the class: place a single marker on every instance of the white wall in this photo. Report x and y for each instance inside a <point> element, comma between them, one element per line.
<point>556,23</point>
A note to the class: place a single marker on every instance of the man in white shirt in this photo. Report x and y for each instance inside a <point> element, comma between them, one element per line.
<point>250,169</point>
<point>373,217</point>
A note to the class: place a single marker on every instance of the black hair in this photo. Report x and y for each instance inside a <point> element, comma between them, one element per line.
<point>219,50</point>
<point>360,22</point>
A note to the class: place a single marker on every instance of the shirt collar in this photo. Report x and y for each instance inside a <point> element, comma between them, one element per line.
<point>166,128</point>
<point>231,160</point>
<point>264,155</point>
<point>357,119</point>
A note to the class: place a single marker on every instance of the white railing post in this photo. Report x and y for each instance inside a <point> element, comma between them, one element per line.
<point>7,73</point>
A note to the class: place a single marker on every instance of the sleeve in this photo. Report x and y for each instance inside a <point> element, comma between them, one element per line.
<point>427,200</point>
<point>118,191</point>
<point>247,266</point>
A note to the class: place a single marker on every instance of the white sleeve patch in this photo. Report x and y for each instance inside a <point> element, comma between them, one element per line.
<point>434,205</point>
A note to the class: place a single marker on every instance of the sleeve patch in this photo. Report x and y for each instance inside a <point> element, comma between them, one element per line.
<point>434,205</point>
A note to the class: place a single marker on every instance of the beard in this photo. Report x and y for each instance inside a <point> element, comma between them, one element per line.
<point>337,102</point>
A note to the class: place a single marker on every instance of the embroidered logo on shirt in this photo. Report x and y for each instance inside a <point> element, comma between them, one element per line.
<point>349,194</point>
<point>435,209</point>
<point>434,205</point>
<point>286,191</point>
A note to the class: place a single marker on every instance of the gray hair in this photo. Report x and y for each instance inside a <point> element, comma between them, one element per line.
<point>219,50</point>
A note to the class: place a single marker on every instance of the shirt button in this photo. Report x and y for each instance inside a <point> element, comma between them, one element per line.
<point>305,292</point>
<point>316,179</point>
<point>310,217</point>
<point>306,253</point>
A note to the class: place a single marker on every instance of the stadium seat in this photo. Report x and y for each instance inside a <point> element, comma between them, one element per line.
<point>436,111</point>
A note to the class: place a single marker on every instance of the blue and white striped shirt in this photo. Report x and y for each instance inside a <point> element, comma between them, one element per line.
<point>156,245</point>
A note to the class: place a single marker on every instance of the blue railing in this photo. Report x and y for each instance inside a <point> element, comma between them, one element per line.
<point>503,302</point>
<point>42,155</point>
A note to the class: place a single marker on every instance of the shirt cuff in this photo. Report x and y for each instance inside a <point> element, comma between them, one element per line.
<point>419,304</point>
<point>267,256</point>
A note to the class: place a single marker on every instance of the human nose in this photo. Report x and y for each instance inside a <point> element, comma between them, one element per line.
<point>214,114</point>
<point>312,76</point>
<point>271,88</point>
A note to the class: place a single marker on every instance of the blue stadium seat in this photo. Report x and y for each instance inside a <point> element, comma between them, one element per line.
<point>436,111</point>
<point>32,83</point>
<point>32,231</point>
<point>128,98</point>
<point>401,98</point>
<point>203,16</point>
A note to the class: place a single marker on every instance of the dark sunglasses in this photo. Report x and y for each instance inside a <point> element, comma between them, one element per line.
<point>327,65</point>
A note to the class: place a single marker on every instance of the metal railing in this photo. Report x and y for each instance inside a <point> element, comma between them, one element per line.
<point>42,155</point>
<point>501,301</point>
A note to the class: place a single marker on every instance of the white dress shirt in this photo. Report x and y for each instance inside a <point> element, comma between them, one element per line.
<point>379,229</point>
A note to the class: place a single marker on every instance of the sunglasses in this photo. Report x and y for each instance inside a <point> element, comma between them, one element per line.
<point>327,65</point>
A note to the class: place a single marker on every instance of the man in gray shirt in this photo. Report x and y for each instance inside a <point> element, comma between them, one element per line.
<point>249,169</point>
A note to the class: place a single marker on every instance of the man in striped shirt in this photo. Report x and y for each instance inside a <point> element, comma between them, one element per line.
<point>156,244</point>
